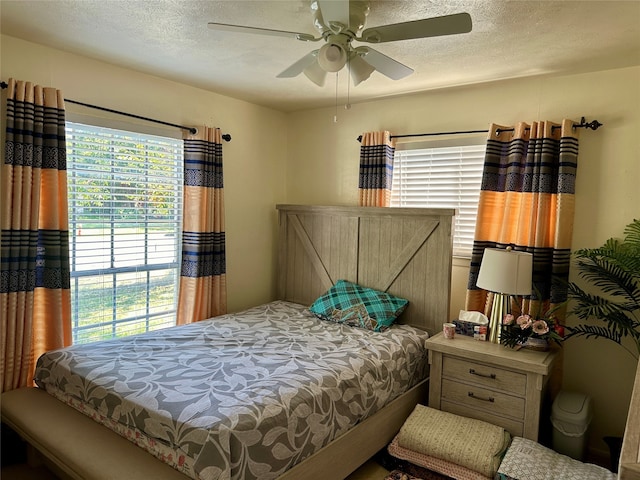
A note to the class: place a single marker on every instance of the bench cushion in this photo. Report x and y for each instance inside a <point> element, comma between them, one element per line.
<point>76,445</point>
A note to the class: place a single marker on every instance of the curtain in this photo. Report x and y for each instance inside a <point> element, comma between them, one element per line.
<point>527,202</point>
<point>35,301</point>
<point>376,169</point>
<point>203,288</point>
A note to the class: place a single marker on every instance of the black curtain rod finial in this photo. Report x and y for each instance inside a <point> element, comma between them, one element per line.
<point>593,125</point>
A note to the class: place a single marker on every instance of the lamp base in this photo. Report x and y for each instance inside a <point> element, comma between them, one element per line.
<point>499,309</point>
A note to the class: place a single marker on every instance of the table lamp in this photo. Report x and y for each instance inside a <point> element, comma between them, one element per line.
<point>505,273</point>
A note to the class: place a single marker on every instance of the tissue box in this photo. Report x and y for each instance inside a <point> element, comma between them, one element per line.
<point>464,328</point>
<point>471,329</point>
<point>472,324</point>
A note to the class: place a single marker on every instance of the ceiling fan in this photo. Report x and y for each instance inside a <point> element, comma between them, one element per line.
<point>341,22</point>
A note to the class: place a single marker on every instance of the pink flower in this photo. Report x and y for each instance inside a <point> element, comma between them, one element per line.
<point>540,327</point>
<point>508,319</point>
<point>524,321</point>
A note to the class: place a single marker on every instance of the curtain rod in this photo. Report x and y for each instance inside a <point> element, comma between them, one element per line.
<point>594,125</point>
<point>192,130</point>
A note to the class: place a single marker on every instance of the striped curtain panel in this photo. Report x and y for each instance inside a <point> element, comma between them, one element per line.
<point>35,301</point>
<point>203,287</point>
<point>376,169</point>
<point>527,201</point>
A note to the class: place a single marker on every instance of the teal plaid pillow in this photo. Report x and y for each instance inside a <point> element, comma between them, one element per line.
<point>358,306</point>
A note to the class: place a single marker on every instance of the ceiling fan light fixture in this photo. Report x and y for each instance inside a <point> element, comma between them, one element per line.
<point>360,70</point>
<point>332,57</point>
<point>315,73</point>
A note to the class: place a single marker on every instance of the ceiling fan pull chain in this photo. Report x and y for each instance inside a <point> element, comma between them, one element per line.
<point>335,116</point>
<point>347,106</point>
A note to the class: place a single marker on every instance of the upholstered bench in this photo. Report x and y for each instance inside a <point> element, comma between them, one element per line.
<point>52,428</point>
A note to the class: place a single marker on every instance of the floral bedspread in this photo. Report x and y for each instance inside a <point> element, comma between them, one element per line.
<point>241,396</point>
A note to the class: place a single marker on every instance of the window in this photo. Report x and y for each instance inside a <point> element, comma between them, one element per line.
<point>125,210</point>
<point>441,177</point>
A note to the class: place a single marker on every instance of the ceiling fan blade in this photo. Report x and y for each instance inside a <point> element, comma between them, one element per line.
<point>427,27</point>
<point>305,37</point>
<point>335,14</point>
<point>385,65</point>
<point>298,67</point>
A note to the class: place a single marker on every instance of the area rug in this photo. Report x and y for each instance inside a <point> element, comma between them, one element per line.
<point>398,475</point>
<point>425,475</point>
<point>399,467</point>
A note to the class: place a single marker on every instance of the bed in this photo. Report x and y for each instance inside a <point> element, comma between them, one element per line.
<point>405,252</point>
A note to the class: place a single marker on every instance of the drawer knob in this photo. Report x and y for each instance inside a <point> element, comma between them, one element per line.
<point>485,375</point>
<point>484,399</point>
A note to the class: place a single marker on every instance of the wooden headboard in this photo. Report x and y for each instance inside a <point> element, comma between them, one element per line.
<point>403,251</point>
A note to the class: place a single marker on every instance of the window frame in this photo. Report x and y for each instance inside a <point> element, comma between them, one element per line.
<point>462,250</point>
<point>147,269</point>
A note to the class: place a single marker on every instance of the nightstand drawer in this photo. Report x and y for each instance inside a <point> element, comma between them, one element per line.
<point>485,375</point>
<point>483,399</point>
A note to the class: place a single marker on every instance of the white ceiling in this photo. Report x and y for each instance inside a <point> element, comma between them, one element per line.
<point>170,39</point>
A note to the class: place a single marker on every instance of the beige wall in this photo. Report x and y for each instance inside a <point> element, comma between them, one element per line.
<point>254,159</point>
<point>323,168</point>
<point>305,157</point>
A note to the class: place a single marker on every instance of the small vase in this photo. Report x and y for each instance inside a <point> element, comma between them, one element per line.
<point>539,344</point>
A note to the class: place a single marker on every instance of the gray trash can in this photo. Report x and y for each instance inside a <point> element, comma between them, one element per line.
<point>570,416</point>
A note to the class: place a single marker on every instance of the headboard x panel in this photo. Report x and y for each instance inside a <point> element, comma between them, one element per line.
<point>404,251</point>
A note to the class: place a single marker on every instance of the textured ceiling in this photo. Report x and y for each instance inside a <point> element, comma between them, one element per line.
<point>170,39</point>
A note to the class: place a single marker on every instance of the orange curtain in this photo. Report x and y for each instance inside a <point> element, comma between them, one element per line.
<point>203,286</point>
<point>376,169</point>
<point>34,284</point>
<point>527,202</point>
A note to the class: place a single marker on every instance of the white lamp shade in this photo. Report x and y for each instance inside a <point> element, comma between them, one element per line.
<point>360,69</point>
<point>315,73</point>
<point>332,57</point>
<point>506,271</point>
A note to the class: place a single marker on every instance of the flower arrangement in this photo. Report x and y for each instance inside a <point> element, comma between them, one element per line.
<point>516,332</point>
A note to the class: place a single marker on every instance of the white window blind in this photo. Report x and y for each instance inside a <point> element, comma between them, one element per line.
<point>125,210</point>
<point>442,177</point>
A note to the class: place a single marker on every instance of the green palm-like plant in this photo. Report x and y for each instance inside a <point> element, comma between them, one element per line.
<point>614,271</point>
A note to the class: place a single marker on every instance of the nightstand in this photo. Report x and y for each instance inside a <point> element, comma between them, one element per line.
<point>491,382</point>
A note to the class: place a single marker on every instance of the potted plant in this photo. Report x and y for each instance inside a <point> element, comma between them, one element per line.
<point>612,273</point>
